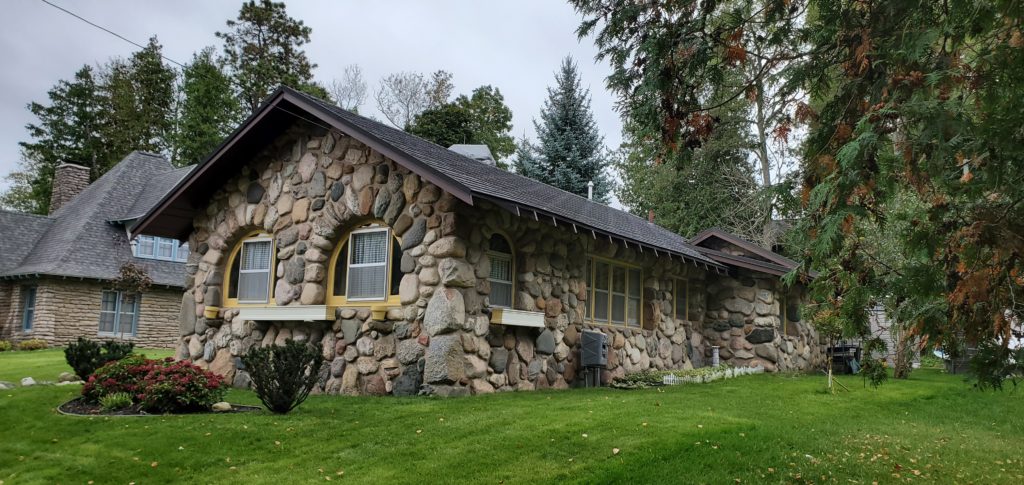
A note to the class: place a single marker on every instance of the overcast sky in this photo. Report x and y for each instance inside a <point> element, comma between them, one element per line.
<point>515,46</point>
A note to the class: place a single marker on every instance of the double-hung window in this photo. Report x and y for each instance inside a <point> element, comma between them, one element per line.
<point>28,307</point>
<point>119,313</point>
<point>250,276</point>
<point>499,254</point>
<point>366,267</point>
<point>368,264</point>
<point>615,293</point>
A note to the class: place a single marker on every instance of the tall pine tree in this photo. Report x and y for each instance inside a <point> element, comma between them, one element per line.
<point>68,130</point>
<point>570,151</point>
<point>263,49</point>
<point>209,109</point>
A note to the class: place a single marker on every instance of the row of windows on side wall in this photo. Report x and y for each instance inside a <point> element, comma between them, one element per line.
<point>119,312</point>
<point>161,248</point>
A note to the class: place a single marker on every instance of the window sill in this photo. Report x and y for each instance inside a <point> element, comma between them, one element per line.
<point>517,318</point>
<point>115,335</point>
<point>298,313</point>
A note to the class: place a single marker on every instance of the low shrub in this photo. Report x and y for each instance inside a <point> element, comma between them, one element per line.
<point>116,401</point>
<point>117,376</point>
<point>85,356</point>
<point>165,386</point>
<point>33,344</point>
<point>283,376</point>
<point>5,345</point>
<point>171,386</point>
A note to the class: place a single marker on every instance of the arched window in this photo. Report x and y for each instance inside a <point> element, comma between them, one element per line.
<point>365,267</point>
<point>250,271</point>
<point>499,251</point>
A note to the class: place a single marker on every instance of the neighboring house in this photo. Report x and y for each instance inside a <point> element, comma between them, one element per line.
<point>419,269</point>
<point>56,271</point>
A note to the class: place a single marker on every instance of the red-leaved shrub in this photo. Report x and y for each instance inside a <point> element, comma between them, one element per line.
<point>157,385</point>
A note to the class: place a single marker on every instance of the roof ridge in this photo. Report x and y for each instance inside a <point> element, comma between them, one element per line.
<point>590,201</point>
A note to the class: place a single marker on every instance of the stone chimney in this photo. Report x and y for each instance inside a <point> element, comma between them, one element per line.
<point>69,180</point>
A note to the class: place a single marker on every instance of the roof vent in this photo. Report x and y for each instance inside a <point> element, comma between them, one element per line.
<point>479,153</point>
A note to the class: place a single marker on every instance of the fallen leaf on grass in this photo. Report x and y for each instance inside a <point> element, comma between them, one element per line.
<point>154,464</point>
<point>615,451</point>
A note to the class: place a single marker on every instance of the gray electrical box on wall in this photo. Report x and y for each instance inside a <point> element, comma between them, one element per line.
<point>594,347</point>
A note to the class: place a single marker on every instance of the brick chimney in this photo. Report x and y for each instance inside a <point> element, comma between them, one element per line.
<point>69,180</point>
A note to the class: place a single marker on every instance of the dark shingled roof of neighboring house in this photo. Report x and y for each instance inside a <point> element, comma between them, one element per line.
<point>86,238</point>
<point>462,176</point>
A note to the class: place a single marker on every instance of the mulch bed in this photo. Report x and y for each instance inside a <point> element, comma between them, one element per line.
<point>79,407</point>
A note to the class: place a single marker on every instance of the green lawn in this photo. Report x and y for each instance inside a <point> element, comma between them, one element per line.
<point>757,429</point>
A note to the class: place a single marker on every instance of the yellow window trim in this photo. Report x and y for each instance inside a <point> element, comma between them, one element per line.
<point>591,292</point>
<point>512,270</point>
<point>233,302</point>
<point>342,301</point>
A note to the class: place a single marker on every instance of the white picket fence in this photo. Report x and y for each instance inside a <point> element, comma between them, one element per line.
<point>714,376</point>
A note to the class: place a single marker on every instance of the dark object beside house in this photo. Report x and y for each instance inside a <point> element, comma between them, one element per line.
<point>845,358</point>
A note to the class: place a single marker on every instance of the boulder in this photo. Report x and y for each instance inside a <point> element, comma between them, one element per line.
<point>456,273</point>
<point>447,247</point>
<point>220,407</point>
<point>27,382</point>
<point>444,362</point>
<point>224,365</point>
<point>414,235</point>
<point>409,351</point>
<point>545,342</point>
<point>187,315</point>
<point>761,335</point>
<point>767,351</point>
<point>499,359</point>
<point>446,312</point>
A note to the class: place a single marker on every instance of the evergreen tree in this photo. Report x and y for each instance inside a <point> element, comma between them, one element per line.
<point>263,49</point>
<point>67,131</point>
<point>569,149</point>
<point>524,162</point>
<point>138,108</point>
<point>209,109</point>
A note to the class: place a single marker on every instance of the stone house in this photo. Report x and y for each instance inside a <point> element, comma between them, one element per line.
<point>56,271</point>
<point>420,270</point>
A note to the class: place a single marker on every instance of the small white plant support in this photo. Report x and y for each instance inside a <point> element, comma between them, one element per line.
<point>729,373</point>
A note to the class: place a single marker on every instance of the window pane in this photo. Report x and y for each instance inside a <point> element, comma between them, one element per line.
<point>370,247</point>
<point>107,322</point>
<point>254,286</point>
<point>601,273</point>
<point>501,268</point>
<point>633,312</point>
<point>233,284</point>
<point>146,247</point>
<point>127,317</point>
<point>109,303</point>
<point>501,294</point>
<point>341,270</point>
<point>618,308</point>
<point>183,252</point>
<point>618,279</point>
<point>164,248</point>
<point>367,281</point>
<point>600,305</point>
<point>499,244</point>
<point>680,297</point>
<point>256,256</point>
<point>634,283</point>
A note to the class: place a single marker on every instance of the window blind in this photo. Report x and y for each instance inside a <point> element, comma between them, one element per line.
<point>254,271</point>
<point>367,274</point>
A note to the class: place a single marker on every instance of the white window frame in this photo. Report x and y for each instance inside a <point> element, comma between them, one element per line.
<point>179,250</point>
<point>387,263</point>
<point>492,255</point>
<point>138,246</point>
<point>118,302</point>
<point>28,310</point>
<point>269,270</point>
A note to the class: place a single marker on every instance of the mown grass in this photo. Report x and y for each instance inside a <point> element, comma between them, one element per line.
<point>758,429</point>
